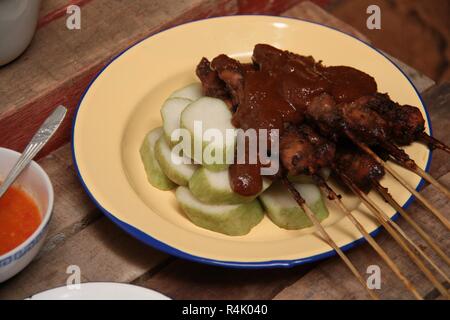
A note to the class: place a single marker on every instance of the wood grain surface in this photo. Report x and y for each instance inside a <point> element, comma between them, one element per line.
<point>80,235</point>
<point>60,63</point>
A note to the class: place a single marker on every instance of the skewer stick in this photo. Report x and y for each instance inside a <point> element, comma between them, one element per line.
<point>414,245</point>
<point>298,198</point>
<point>403,159</point>
<point>419,197</point>
<point>377,212</point>
<point>388,197</point>
<point>432,181</point>
<point>333,196</point>
<point>433,142</point>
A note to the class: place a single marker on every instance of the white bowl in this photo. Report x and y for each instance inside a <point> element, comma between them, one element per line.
<point>18,20</point>
<point>36,183</point>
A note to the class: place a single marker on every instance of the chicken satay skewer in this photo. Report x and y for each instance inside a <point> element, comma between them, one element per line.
<point>378,213</point>
<point>363,170</point>
<point>305,151</point>
<point>359,119</point>
<point>301,202</point>
<point>366,173</point>
<point>404,124</point>
<point>334,197</point>
<point>388,197</point>
<point>407,122</point>
<point>388,168</point>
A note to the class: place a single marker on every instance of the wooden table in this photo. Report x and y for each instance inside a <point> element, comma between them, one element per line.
<point>56,69</point>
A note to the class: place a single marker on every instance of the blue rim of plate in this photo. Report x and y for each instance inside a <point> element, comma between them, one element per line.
<point>157,244</point>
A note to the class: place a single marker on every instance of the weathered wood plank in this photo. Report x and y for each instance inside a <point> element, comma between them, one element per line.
<point>182,279</point>
<point>265,6</point>
<point>55,9</point>
<point>437,100</point>
<point>311,12</point>
<point>101,251</point>
<point>73,209</point>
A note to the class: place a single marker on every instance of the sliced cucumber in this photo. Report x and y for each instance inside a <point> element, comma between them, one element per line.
<point>284,211</point>
<point>191,92</point>
<point>233,220</point>
<point>155,175</point>
<point>170,114</point>
<point>214,187</point>
<point>179,172</point>
<point>210,113</point>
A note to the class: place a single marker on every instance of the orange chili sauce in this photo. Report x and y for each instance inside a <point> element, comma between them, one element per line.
<point>19,218</point>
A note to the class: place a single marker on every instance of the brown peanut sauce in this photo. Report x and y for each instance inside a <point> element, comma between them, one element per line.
<point>277,92</point>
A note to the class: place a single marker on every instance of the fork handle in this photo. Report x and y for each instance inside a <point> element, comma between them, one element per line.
<point>41,137</point>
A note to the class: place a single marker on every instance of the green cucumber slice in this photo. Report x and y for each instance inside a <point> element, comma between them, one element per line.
<point>213,187</point>
<point>284,211</point>
<point>211,113</point>
<point>155,175</point>
<point>170,114</point>
<point>178,173</point>
<point>192,92</point>
<point>232,220</point>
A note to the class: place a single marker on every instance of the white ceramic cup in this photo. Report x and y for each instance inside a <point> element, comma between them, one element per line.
<point>37,184</point>
<point>18,20</point>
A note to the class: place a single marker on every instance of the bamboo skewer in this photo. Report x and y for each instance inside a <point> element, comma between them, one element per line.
<point>377,212</point>
<point>403,159</point>
<point>419,197</point>
<point>298,198</point>
<point>388,197</point>
<point>414,245</point>
<point>333,196</point>
<point>432,181</point>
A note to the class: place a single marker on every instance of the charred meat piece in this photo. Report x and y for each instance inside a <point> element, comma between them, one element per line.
<point>303,151</point>
<point>323,112</point>
<point>231,72</point>
<point>406,122</point>
<point>359,167</point>
<point>362,121</point>
<point>334,119</point>
<point>212,85</point>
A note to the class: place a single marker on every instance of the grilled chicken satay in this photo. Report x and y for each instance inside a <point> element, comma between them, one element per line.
<point>304,151</point>
<point>406,122</point>
<point>281,89</point>
<point>361,168</point>
<point>212,85</point>
<point>334,119</point>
